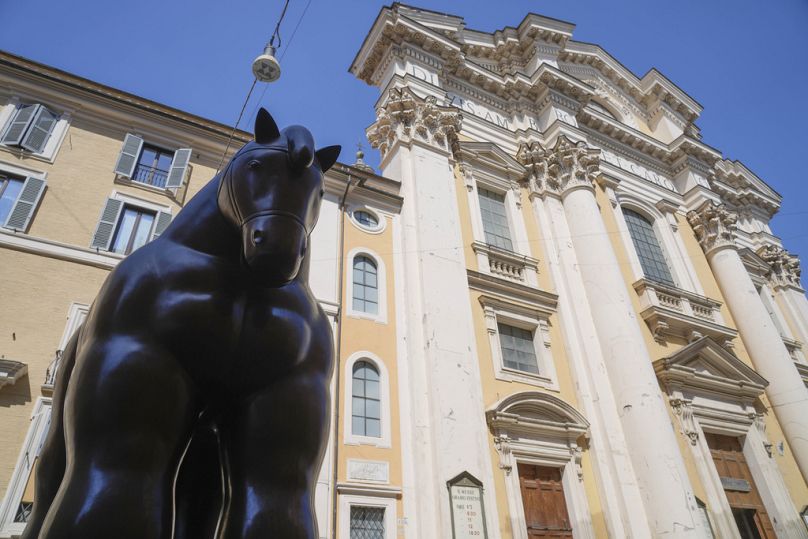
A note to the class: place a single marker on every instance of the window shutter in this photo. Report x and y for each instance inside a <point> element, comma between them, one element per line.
<point>19,124</point>
<point>127,159</point>
<point>161,223</point>
<point>106,225</point>
<point>26,203</point>
<point>179,167</point>
<point>41,127</point>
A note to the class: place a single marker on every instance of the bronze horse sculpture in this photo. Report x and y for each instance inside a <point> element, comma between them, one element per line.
<point>193,402</point>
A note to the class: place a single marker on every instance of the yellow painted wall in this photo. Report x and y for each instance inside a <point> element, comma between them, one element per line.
<point>359,334</point>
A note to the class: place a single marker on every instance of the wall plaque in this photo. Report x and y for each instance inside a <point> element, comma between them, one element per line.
<point>736,484</point>
<point>468,510</point>
<point>369,470</point>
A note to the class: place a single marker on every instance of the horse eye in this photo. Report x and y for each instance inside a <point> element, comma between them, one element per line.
<point>254,164</point>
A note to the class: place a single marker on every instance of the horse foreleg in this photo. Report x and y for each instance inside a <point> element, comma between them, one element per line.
<point>51,463</point>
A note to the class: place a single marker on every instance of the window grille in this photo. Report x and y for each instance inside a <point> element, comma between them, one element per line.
<point>367,522</point>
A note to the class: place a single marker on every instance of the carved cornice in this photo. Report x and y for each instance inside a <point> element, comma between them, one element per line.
<point>405,116</point>
<point>714,226</point>
<point>567,166</point>
<point>785,267</point>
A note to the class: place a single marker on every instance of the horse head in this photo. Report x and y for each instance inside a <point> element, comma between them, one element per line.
<point>271,191</point>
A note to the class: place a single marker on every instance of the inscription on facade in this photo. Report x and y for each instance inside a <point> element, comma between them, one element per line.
<point>636,169</point>
<point>369,470</point>
<point>468,515</point>
<point>736,484</point>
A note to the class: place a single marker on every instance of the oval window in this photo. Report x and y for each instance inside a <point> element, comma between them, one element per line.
<point>366,219</point>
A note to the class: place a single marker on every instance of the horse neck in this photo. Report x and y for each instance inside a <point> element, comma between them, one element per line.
<point>202,227</point>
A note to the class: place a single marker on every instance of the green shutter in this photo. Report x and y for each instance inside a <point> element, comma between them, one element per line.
<point>41,128</point>
<point>16,130</point>
<point>179,168</point>
<point>127,159</point>
<point>20,215</point>
<point>106,225</point>
<point>161,223</point>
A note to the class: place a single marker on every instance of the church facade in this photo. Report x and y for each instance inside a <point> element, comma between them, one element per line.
<point>558,312</point>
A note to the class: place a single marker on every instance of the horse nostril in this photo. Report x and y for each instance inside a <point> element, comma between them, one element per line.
<point>258,237</point>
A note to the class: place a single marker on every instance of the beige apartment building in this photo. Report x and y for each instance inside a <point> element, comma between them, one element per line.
<point>558,312</point>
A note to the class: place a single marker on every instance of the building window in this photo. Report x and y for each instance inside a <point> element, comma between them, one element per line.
<point>19,198</point>
<point>133,230</point>
<point>367,522</point>
<point>30,127</point>
<point>518,350</point>
<point>495,219</point>
<point>366,219</point>
<point>365,285</point>
<point>153,166</point>
<point>127,224</point>
<point>149,165</point>
<point>648,248</point>
<point>366,402</point>
<point>10,189</point>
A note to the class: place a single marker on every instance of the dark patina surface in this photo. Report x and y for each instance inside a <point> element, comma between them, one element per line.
<point>194,399</point>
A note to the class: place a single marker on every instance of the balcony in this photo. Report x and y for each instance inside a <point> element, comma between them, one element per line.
<point>150,176</point>
<point>673,312</point>
<point>506,264</point>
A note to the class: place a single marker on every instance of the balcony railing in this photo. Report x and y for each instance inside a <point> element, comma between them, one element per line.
<point>50,374</point>
<point>671,311</point>
<point>150,176</point>
<point>506,264</point>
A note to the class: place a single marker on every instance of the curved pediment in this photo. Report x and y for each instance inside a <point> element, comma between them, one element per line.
<point>536,412</point>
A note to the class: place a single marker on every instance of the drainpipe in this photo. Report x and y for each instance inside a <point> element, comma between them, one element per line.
<point>340,290</point>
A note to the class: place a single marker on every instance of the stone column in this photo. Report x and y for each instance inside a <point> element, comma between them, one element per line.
<point>569,170</point>
<point>714,227</point>
<point>447,428</point>
<point>784,281</point>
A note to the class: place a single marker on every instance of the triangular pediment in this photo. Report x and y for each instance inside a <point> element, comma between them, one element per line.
<point>490,155</point>
<point>704,365</point>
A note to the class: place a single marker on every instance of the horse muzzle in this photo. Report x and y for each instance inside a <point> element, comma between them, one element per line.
<point>274,246</point>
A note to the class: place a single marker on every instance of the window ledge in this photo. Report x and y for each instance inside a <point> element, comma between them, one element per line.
<point>30,244</point>
<point>513,375</point>
<point>123,180</point>
<point>352,439</point>
<point>671,311</point>
<point>506,264</point>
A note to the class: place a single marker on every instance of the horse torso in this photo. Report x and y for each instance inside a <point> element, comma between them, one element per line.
<point>232,336</point>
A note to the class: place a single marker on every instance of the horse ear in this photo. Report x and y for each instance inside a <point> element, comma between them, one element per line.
<point>266,130</point>
<point>328,156</point>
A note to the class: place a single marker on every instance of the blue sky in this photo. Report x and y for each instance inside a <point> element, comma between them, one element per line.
<point>744,61</point>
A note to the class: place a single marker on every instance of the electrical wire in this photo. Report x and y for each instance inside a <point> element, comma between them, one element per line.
<point>275,34</point>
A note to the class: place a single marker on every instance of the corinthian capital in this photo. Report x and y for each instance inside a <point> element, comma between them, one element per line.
<point>406,116</point>
<point>557,170</point>
<point>713,225</point>
<point>785,267</point>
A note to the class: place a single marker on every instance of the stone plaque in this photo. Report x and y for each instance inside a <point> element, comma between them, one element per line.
<point>369,470</point>
<point>468,512</point>
<point>736,484</point>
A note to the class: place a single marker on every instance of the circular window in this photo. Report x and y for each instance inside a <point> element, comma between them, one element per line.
<point>367,219</point>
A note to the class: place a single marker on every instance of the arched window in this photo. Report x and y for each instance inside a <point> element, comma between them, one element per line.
<point>365,285</point>
<point>366,416</point>
<point>649,251</point>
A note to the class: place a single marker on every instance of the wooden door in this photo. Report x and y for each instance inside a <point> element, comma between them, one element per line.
<point>739,487</point>
<point>543,500</point>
